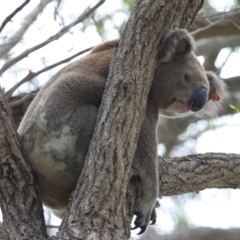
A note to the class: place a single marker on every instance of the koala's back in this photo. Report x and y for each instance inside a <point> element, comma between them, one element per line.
<point>57,128</point>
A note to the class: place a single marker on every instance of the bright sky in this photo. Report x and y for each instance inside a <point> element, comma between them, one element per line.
<point>222,208</point>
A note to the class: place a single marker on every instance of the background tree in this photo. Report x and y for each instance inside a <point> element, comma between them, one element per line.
<point>212,30</point>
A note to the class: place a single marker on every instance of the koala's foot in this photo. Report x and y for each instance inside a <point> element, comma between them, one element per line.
<point>145,205</point>
<point>145,213</point>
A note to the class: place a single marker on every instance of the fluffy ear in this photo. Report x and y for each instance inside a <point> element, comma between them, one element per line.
<point>217,94</point>
<point>174,44</point>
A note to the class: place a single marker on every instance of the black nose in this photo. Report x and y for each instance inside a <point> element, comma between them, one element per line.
<point>198,99</point>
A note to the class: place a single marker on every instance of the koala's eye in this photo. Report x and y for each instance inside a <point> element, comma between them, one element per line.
<point>187,79</point>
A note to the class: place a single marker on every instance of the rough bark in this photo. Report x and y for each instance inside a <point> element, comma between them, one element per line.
<point>2,232</point>
<point>197,172</point>
<point>201,233</point>
<point>20,202</point>
<point>99,209</point>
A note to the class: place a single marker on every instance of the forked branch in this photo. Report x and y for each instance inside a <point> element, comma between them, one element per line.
<point>54,37</point>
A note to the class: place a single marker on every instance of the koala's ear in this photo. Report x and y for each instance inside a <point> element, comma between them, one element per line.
<point>217,94</point>
<point>174,44</point>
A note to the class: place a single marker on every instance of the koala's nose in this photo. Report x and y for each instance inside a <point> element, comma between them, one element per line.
<point>198,99</point>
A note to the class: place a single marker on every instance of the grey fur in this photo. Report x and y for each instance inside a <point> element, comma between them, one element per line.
<point>57,128</point>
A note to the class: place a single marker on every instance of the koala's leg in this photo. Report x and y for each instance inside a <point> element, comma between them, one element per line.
<point>145,171</point>
<point>82,125</point>
<point>60,157</point>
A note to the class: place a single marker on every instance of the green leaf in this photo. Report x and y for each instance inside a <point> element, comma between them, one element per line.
<point>234,108</point>
<point>130,3</point>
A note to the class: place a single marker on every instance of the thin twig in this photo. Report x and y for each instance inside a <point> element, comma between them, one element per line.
<point>57,9</point>
<point>211,24</point>
<point>21,100</point>
<point>9,17</point>
<point>97,28</point>
<point>225,61</point>
<point>54,37</point>
<point>235,24</point>
<point>31,75</point>
<point>26,23</point>
<point>217,14</point>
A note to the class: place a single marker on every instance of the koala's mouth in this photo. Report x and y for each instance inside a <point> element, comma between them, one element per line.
<point>185,107</point>
<point>181,107</point>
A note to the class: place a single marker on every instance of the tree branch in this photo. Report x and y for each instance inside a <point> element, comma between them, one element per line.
<point>200,233</point>
<point>54,37</point>
<point>197,172</point>
<point>210,45</point>
<point>22,100</point>
<point>31,75</point>
<point>12,41</point>
<point>9,17</point>
<point>233,84</point>
<point>209,62</point>
<point>221,24</point>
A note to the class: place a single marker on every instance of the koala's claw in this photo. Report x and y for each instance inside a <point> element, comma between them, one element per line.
<point>142,220</point>
<point>135,227</point>
<point>153,222</point>
<point>142,230</point>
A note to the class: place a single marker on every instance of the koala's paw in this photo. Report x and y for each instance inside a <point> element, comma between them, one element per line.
<point>145,213</point>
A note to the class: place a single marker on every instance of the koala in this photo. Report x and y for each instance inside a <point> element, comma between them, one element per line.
<point>58,125</point>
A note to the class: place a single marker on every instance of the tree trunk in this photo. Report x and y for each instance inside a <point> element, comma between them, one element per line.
<point>100,207</point>
<point>20,202</point>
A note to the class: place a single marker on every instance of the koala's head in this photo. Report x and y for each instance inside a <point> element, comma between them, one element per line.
<point>181,86</point>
